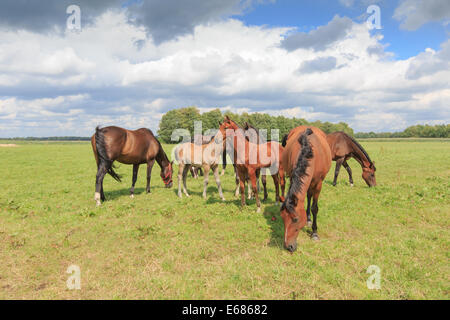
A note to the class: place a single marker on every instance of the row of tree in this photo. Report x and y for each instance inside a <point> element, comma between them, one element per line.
<point>184,119</point>
<point>417,131</point>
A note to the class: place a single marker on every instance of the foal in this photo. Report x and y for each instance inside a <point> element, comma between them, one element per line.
<point>129,147</point>
<point>210,154</point>
<point>307,159</point>
<point>243,160</point>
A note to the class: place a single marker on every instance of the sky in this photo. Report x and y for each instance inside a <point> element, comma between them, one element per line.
<point>131,61</point>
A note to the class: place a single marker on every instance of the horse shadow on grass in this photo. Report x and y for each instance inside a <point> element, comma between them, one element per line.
<point>125,192</point>
<point>274,220</point>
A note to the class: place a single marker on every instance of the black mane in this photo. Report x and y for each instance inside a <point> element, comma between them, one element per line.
<point>299,172</point>
<point>361,148</point>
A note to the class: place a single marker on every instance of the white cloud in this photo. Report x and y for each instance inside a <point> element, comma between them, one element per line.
<point>414,13</point>
<point>71,83</point>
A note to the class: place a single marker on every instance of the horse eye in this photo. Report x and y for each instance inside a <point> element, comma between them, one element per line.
<point>294,220</point>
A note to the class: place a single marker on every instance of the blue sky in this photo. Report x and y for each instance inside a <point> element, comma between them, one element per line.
<point>307,15</point>
<point>132,61</point>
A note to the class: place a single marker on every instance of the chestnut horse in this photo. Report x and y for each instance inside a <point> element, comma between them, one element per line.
<point>243,161</point>
<point>307,159</point>
<point>206,155</point>
<point>129,147</point>
<point>344,147</point>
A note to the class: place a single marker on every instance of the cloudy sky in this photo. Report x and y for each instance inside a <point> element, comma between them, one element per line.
<point>133,60</point>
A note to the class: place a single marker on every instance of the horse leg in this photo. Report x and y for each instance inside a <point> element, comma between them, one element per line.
<point>349,170</point>
<point>149,174</point>
<point>282,181</point>
<point>241,181</point>
<point>237,180</point>
<point>308,210</point>
<point>315,210</point>
<point>205,179</point>
<point>249,189</point>
<point>180,177</point>
<point>277,188</point>
<point>264,183</point>
<point>101,172</point>
<point>185,173</point>
<point>219,185</point>
<point>224,162</point>
<point>252,176</point>
<point>133,181</point>
<point>336,171</point>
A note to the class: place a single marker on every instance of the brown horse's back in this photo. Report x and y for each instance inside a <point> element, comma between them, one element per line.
<point>339,145</point>
<point>322,155</point>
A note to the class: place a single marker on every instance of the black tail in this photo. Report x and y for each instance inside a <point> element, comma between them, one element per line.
<point>102,155</point>
<point>224,159</point>
<point>299,171</point>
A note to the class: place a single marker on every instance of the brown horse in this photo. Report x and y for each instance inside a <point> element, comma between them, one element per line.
<point>249,161</point>
<point>344,147</point>
<point>202,155</point>
<point>129,147</point>
<point>307,159</point>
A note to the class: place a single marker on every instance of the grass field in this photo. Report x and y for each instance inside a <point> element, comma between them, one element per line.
<point>157,246</point>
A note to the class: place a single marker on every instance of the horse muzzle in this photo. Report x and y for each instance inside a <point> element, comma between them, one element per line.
<point>291,247</point>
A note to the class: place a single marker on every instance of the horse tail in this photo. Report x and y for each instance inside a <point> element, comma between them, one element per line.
<point>284,140</point>
<point>102,155</point>
<point>224,159</point>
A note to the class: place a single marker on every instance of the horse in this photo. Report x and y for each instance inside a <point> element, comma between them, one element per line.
<point>307,160</point>
<point>251,134</point>
<point>244,164</point>
<point>210,153</point>
<point>134,147</point>
<point>344,147</point>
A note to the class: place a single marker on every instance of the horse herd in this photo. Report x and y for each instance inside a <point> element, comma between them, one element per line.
<point>304,155</point>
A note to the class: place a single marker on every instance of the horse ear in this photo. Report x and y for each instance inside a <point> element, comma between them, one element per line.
<point>246,125</point>
<point>227,118</point>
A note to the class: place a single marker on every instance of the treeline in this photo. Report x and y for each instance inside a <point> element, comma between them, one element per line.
<point>49,139</point>
<point>417,131</point>
<point>184,119</point>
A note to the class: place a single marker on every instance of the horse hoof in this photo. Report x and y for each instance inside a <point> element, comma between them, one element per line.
<point>351,184</point>
<point>315,237</point>
<point>309,224</point>
<point>98,204</point>
<point>258,210</point>
<point>132,196</point>
<point>223,199</point>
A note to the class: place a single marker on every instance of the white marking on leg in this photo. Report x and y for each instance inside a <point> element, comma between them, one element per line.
<point>97,198</point>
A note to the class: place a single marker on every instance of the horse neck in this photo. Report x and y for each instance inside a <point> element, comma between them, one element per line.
<point>161,158</point>
<point>213,140</point>
<point>359,155</point>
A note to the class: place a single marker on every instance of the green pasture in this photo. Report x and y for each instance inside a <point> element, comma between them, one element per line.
<point>157,246</point>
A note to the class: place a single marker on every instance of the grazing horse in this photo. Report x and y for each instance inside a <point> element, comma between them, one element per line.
<point>344,147</point>
<point>210,153</point>
<point>129,147</point>
<point>307,159</point>
<point>249,161</point>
